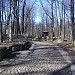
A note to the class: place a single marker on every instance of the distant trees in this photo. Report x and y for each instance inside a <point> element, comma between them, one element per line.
<point>15,17</point>
<point>18,17</point>
<point>28,17</point>
<point>50,14</point>
<point>59,16</point>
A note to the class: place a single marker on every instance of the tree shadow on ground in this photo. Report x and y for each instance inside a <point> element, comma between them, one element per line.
<point>45,48</point>
<point>64,71</point>
<point>25,61</point>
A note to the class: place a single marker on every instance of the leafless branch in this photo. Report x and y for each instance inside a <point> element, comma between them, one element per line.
<point>45,10</point>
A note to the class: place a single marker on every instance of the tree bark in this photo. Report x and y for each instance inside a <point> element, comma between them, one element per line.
<point>72,21</point>
<point>10,24</point>
<point>23,17</point>
<point>0,24</point>
<point>52,19</point>
<point>63,21</point>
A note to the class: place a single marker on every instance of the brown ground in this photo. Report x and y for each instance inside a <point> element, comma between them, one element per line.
<point>15,41</point>
<point>68,47</point>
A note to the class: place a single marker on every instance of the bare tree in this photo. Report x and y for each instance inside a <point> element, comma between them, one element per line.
<point>0,24</point>
<point>16,17</point>
<point>52,19</point>
<point>50,16</point>
<point>10,24</point>
<point>28,18</point>
<point>72,21</point>
<point>57,24</point>
<point>23,16</point>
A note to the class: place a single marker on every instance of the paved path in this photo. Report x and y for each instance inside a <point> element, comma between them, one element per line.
<point>41,59</point>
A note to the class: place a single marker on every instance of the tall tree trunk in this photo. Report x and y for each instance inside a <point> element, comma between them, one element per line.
<point>18,27</point>
<point>46,23</point>
<point>10,24</point>
<point>57,28</point>
<point>5,17</point>
<point>22,30</point>
<point>60,27</point>
<point>0,25</point>
<point>32,26</point>
<point>15,17</point>
<point>23,16</point>
<point>63,21</point>
<point>72,21</point>
<point>52,20</point>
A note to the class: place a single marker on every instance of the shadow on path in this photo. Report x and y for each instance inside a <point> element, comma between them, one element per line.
<point>64,71</point>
